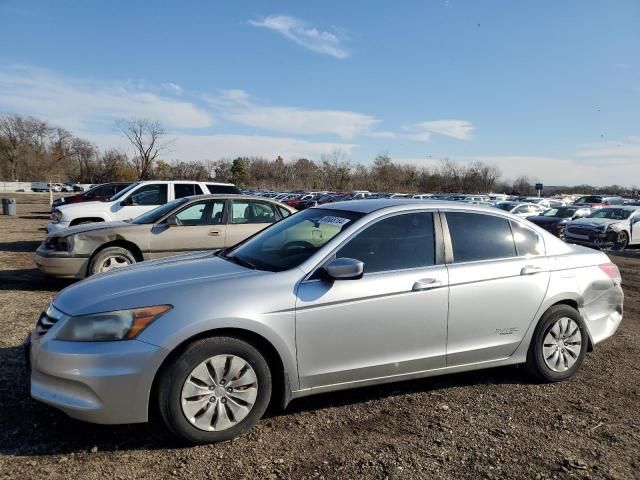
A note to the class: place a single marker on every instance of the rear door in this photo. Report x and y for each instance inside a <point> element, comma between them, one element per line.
<point>498,277</point>
<point>247,217</point>
<point>200,226</point>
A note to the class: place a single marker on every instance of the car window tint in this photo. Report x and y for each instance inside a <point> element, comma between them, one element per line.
<point>394,243</point>
<point>527,241</point>
<point>213,188</point>
<point>192,215</point>
<point>184,190</point>
<point>103,191</point>
<point>251,211</point>
<point>152,194</point>
<point>479,237</point>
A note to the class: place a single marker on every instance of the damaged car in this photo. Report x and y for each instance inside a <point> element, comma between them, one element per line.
<point>202,222</point>
<point>610,227</point>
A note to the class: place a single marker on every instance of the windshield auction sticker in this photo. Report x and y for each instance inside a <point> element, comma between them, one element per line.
<point>331,220</point>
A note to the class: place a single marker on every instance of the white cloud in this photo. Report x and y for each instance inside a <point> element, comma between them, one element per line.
<point>174,88</point>
<point>213,147</point>
<point>298,31</point>
<point>381,134</point>
<point>237,106</point>
<point>423,131</point>
<point>628,148</point>
<point>75,104</point>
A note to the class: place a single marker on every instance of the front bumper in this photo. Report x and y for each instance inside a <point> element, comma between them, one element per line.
<point>595,240</point>
<point>57,226</point>
<point>98,382</point>
<point>57,265</point>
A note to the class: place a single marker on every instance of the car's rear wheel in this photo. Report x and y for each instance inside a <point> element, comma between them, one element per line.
<point>559,344</point>
<point>110,258</point>
<point>217,389</point>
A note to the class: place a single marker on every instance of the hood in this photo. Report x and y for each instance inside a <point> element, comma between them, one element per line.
<point>92,227</point>
<point>594,222</point>
<point>147,283</point>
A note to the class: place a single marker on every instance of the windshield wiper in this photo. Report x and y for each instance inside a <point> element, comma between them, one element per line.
<point>237,260</point>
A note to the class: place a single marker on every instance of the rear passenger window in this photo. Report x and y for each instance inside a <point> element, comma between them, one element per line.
<point>476,237</point>
<point>527,241</point>
<point>395,243</point>
<point>213,188</point>
<point>186,189</point>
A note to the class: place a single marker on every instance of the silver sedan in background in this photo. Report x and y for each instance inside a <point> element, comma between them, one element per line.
<point>334,297</point>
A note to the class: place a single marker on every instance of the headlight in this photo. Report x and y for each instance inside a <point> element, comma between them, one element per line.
<point>109,326</point>
<point>56,216</point>
<point>60,244</point>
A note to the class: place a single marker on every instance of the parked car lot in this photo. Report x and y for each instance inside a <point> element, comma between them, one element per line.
<point>483,420</point>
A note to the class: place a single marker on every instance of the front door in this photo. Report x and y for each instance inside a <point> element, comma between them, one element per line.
<point>498,279</point>
<point>199,226</point>
<point>390,322</point>
<point>139,201</point>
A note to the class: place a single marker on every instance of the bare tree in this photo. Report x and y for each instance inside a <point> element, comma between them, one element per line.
<point>22,139</point>
<point>145,136</point>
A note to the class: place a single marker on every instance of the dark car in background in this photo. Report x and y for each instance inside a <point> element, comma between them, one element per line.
<point>599,201</point>
<point>97,193</point>
<point>555,220</point>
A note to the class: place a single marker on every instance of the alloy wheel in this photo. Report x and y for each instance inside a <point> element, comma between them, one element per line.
<point>110,263</point>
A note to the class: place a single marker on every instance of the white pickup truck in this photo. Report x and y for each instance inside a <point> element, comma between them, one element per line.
<point>138,198</point>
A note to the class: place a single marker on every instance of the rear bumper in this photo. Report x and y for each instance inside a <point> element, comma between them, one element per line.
<point>603,312</point>
<point>63,267</point>
<point>98,382</point>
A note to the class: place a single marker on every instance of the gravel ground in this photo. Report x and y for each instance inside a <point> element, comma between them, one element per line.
<point>490,424</point>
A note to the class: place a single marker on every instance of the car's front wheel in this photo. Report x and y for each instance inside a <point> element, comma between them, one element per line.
<point>559,344</point>
<point>620,241</point>
<point>109,259</point>
<point>217,389</point>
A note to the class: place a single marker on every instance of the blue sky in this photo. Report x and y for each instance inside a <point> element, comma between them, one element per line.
<point>549,89</point>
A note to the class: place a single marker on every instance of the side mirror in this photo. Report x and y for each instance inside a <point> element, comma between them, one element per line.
<point>345,269</point>
<point>171,222</point>
<point>126,201</point>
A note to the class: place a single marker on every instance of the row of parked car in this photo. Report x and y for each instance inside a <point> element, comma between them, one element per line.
<point>118,224</point>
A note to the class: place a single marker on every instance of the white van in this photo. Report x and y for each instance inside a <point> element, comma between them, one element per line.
<point>136,199</point>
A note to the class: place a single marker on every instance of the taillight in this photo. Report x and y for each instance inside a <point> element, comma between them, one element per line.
<point>612,272</point>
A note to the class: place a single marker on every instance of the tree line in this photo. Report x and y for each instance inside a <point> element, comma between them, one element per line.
<point>31,149</point>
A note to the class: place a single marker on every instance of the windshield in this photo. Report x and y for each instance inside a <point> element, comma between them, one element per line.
<point>611,213</point>
<point>156,214</point>
<point>589,199</point>
<point>293,240</point>
<point>563,212</point>
<point>119,195</point>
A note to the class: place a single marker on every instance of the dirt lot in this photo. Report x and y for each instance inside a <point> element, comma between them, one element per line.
<point>490,424</point>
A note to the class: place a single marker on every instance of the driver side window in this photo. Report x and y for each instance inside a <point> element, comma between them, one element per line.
<point>395,243</point>
<point>152,194</point>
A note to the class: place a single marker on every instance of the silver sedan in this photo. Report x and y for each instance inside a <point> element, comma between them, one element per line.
<point>334,297</point>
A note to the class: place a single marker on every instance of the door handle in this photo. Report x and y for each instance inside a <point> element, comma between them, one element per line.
<point>530,270</point>
<point>214,233</point>
<point>426,284</point>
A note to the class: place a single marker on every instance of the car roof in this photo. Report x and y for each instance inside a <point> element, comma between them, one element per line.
<point>368,206</point>
<point>214,196</point>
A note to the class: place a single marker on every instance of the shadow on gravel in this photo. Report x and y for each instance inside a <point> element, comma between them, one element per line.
<point>22,246</point>
<point>31,279</point>
<point>35,217</point>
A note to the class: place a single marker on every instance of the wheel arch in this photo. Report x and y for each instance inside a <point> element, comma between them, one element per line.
<point>281,391</point>
<point>77,221</point>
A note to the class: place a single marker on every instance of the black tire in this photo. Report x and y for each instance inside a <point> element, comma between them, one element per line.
<point>620,241</point>
<point>173,378</point>
<point>115,252</point>
<point>536,363</point>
